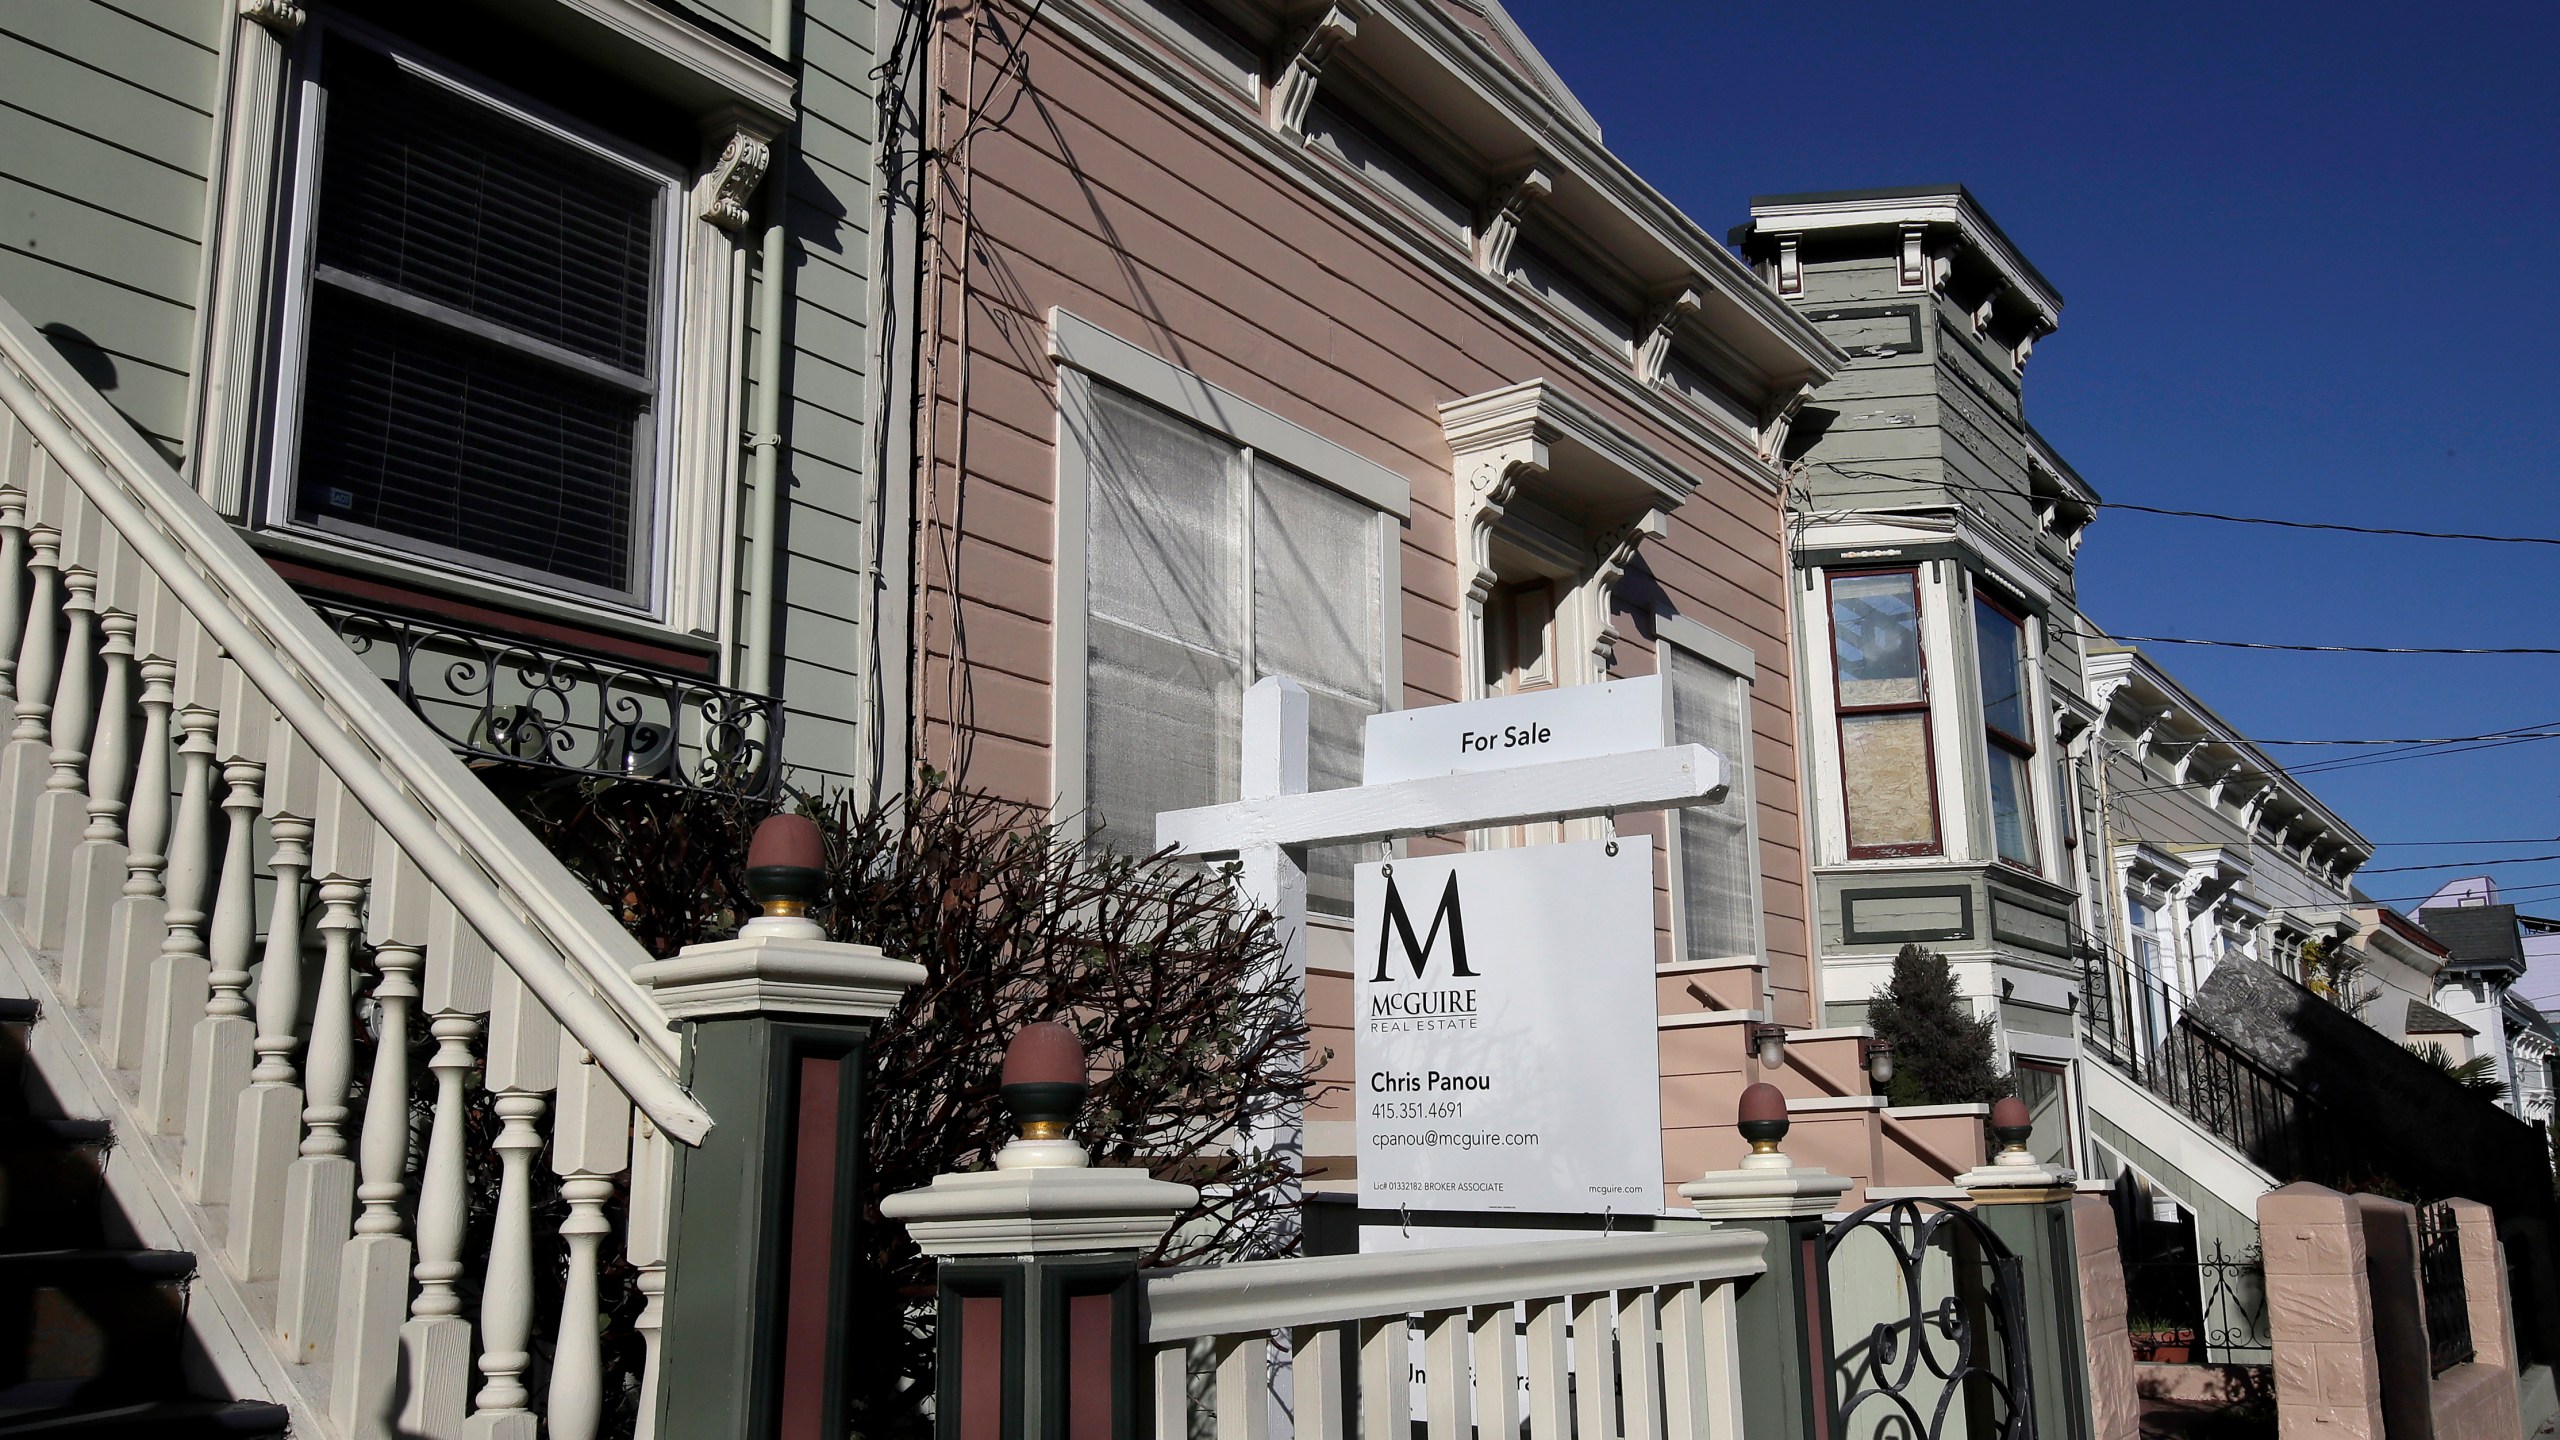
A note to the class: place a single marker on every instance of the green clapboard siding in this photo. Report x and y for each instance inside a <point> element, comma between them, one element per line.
<point>824,653</point>
<point>106,130</point>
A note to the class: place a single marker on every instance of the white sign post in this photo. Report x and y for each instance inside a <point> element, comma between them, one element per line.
<point>1506,1023</point>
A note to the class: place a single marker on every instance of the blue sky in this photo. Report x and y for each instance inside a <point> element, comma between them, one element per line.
<point>2306,254</point>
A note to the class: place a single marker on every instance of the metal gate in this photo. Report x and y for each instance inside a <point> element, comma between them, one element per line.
<point>1935,1329</point>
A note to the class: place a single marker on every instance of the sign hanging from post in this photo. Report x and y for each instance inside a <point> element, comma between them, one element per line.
<point>1505,1024</point>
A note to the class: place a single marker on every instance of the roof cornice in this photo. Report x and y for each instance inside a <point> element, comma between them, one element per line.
<point>1952,206</point>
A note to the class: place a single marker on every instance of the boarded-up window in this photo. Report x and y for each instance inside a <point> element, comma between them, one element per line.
<point>1719,875</point>
<point>1882,689</point>
<point>1207,568</point>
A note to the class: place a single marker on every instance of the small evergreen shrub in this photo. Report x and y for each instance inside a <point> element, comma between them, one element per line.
<point>1943,1054</point>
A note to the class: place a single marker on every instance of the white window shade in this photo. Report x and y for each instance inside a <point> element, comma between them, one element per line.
<point>1719,880</point>
<point>1197,583</point>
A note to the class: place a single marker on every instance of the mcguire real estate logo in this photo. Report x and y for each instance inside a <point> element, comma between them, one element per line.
<point>1416,1002</point>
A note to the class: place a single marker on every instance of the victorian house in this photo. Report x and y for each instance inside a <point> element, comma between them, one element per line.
<point>1945,717</point>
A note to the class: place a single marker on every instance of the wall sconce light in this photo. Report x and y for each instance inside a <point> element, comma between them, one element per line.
<point>1769,1043</point>
<point>1880,1062</point>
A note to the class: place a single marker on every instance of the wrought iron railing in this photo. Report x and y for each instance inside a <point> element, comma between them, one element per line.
<point>2136,1023</point>
<point>2440,1279</point>
<point>501,701</point>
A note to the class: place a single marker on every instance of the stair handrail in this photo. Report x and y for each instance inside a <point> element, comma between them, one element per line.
<point>518,895</point>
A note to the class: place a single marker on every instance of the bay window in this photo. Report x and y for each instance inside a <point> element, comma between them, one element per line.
<point>1881,684</point>
<point>2008,731</point>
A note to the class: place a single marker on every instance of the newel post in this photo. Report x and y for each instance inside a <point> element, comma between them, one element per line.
<point>763,1216</point>
<point>2028,1206</point>
<point>1781,1317</point>
<point>1039,1324</point>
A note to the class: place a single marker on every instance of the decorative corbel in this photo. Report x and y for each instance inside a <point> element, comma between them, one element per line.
<point>2103,694</point>
<point>1510,205</point>
<point>284,17</point>
<point>2150,727</point>
<point>1778,416</point>
<point>1790,265</point>
<point>2025,347</point>
<point>1983,309</point>
<point>1915,258</point>
<point>1294,89</point>
<point>720,196</point>
<point>1612,554</point>
<point>1485,493</point>
<point>1653,351</point>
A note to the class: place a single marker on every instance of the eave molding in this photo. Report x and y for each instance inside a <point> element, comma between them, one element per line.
<point>1120,39</point>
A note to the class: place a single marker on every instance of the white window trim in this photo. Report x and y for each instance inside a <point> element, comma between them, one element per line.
<point>1734,659</point>
<point>1086,353</point>
<point>1942,609</point>
<point>691,492</point>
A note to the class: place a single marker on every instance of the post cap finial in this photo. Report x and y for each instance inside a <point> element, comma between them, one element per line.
<point>2013,1123</point>
<point>1043,1085</point>
<point>1762,1117</point>
<point>787,864</point>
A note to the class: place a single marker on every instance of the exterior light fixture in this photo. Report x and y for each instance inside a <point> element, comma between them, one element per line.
<point>1880,1061</point>
<point>1769,1043</point>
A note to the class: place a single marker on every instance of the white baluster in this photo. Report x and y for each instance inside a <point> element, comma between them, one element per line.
<point>221,1049</point>
<point>506,1294</point>
<point>270,1125</point>
<point>435,1346</point>
<point>590,1143</point>
<point>1640,1365</point>
<point>29,753</point>
<point>373,1278</point>
<point>645,1246</point>
<point>134,925</point>
<point>1550,1370</point>
<point>13,565</point>
<point>1386,1380</point>
<point>1497,1371</point>
<point>319,1191</point>
<point>1244,1387</point>
<point>1319,1377</point>
<point>1595,1363</point>
<point>179,986</point>
<point>98,865</point>
<point>62,811</point>
<point>1444,1374</point>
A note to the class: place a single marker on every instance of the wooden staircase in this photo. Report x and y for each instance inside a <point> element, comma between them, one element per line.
<point>93,1331</point>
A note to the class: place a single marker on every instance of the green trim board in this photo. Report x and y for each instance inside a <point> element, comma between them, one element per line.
<point>1852,934</point>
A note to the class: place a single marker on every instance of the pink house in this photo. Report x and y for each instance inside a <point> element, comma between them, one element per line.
<point>1332,342</point>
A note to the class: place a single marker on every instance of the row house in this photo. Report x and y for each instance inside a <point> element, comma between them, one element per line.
<point>1332,343</point>
<point>1945,712</point>
<point>2248,1014</point>
<point>2492,947</point>
<point>528,342</point>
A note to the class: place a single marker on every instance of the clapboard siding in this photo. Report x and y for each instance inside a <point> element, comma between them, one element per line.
<point>105,138</point>
<point>1102,199</point>
<point>827,542</point>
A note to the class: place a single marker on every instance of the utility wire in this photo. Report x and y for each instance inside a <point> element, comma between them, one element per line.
<point>2224,517</point>
<point>2456,864</point>
<point>2421,740</point>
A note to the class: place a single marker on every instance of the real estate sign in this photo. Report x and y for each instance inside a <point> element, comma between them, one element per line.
<point>1570,722</point>
<point>1505,1019</point>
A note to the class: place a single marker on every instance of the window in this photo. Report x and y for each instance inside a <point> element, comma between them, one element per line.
<point>2045,1087</point>
<point>1718,863</point>
<point>1209,566</point>
<point>1882,685</point>
<point>2009,748</point>
<point>478,368</point>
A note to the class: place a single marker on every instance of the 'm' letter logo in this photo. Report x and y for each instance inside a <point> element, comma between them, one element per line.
<point>1399,925</point>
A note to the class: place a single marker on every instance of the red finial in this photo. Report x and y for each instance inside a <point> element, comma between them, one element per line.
<point>1761,1103</point>
<point>1047,1053</point>
<point>787,840</point>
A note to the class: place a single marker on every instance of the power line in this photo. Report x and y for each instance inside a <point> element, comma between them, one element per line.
<point>2223,516</point>
<point>2421,740</point>
<point>2523,840</point>
<point>2455,864</point>
<point>2334,649</point>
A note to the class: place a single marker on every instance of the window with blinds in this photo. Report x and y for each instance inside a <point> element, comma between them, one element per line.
<point>1719,871</point>
<point>1209,567</point>
<point>482,380</point>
